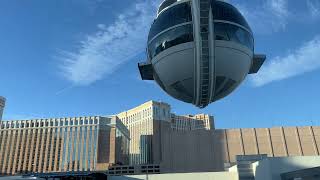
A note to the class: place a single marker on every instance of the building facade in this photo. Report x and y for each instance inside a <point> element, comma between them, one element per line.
<point>143,124</point>
<point>274,142</point>
<point>192,122</point>
<point>62,144</point>
<point>177,143</point>
<point>2,106</point>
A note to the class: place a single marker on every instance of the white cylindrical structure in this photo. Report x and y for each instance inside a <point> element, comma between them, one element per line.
<point>2,105</point>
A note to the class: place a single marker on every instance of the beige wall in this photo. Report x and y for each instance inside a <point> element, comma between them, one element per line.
<point>276,142</point>
<point>187,151</point>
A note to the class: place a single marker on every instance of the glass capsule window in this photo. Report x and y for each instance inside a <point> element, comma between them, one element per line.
<point>229,32</point>
<point>175,15</point>
<point>173,37</point>
<point>226,12</point>
<point>166,4</point>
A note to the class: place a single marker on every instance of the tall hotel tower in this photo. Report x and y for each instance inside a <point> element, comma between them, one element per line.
<point>2,105</point>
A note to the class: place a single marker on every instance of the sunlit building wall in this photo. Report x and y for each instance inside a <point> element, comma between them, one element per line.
<point>153,128</point>
<point>62,144</point>
<point>192,122</point>
<point>274,142</point>
<point>142,123</point>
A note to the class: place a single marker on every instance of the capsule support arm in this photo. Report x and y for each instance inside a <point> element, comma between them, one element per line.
<point>258,60</point>
<point>146,71</point>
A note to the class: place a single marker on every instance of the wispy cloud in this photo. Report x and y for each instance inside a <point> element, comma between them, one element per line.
<point>314,8</point>
<point>112,45</point>
<point>265,17</point>
<point>302,60</point>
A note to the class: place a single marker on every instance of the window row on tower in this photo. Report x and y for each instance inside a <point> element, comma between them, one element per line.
<point>50,122</point>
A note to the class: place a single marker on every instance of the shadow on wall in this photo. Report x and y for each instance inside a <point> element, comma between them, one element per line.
<point>273,168</point>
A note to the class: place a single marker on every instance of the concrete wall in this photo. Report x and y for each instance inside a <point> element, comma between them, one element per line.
<point>182,176</point>
<point>272,168</point>
<point>187,151</point>
<point>275,142</point>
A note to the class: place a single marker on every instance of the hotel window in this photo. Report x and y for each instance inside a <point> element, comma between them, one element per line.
<point>66,123</point>
<point>81,122</point>
<point>71,122</point>
<point>96,121</point>
<point>86,121</point>
<point>91,121</point>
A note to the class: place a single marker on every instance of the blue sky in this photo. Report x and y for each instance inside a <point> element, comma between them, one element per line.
<point>79,57</point>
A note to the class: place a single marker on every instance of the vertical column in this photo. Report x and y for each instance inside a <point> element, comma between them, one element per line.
<point>92,148</point>
<point>66,150</point>
<point>36,150</point>
<point>3,148</point>
<point>31,149</point>
<point>278,144</point>
<point>87,148</point>
<point>307,143</point>
<point>42,149</point>
<point>292,140</point>
<point>71,154</point>
<point>316,134</point>
<point>46,149</point>
<point>58,152</point>
<point>234,143</point>
<point>81,148</point>
<point>11,152</point>
<point>16,151</point>
<point>264,141</point>
<point>314,139</point>
<point>76,160</point>
<point>249,141</point>
<point>52,149</point>
<point>22,150</point>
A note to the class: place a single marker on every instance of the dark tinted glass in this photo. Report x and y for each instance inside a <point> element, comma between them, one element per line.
<point>169,39</point>
<point>229,84</point>
<point>178,14</point>
<point>166,4</point>
<point>225,11</point>
<point>229,32</point>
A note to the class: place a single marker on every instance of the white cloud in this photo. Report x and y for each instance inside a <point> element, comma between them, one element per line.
<point>314,8</point>
<point>302,60</point>
<point>266,16</point>
<point>101,53</point>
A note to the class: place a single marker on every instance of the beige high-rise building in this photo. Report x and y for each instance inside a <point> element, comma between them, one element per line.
<point>154,131</point>
<point>62,144</point>
<point>2,106</point>
<point>143,124</point>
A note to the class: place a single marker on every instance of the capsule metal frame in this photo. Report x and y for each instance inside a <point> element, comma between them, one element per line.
<point>208,65</point>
